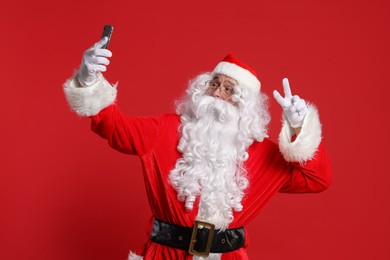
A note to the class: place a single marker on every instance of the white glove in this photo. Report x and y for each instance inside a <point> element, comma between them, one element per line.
<point>94,61</point>
<point>294,107</point>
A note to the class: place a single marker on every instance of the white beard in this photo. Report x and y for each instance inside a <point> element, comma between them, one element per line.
<point>210,166</point>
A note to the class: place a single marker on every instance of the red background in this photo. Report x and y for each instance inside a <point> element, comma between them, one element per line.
<point>64,194</point>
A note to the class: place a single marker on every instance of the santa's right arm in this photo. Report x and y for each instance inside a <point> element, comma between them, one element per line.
<point>89,94</point>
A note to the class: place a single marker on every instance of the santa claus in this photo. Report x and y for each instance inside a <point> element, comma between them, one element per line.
<point>209,169</point>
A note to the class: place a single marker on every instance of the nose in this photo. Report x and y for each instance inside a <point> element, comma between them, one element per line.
<point>217,92</point>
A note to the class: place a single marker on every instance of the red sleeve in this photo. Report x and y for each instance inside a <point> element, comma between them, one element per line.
<point>312,176</point>
<point>130,135</point>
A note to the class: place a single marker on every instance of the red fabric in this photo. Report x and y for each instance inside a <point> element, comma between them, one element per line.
<point>154,140</point>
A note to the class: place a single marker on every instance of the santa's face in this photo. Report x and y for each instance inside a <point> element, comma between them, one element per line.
<point>222,87</point>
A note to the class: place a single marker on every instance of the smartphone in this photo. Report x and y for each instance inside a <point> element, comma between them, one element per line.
<point>107,32</point>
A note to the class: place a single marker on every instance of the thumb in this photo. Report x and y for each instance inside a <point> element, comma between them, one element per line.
<point>101,42</point>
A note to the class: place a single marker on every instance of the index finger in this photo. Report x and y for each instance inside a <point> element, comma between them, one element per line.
<point>286,88</point>
<point>103,53</point>
<point>282,101</point>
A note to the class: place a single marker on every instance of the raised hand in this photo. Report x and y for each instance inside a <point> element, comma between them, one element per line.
<point>294,107</point>
<point>95,59</point>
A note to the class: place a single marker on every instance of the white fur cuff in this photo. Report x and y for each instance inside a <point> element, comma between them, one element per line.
<point>88,101</point>
<point>305,145</point>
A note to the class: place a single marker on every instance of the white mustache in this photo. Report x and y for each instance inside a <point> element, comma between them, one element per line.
<point>224,111</point>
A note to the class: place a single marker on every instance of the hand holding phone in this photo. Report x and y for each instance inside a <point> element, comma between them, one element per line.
<point>95,59</point>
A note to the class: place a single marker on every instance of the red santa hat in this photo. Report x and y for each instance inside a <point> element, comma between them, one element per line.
<point>236,69</point>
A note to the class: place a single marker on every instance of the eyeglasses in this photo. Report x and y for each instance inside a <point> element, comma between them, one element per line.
<point>225,91</point>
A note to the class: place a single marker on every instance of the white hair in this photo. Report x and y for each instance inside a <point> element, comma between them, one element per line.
<point>215,136</point>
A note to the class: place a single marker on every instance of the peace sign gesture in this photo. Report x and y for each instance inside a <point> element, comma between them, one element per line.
<point>294,107</point>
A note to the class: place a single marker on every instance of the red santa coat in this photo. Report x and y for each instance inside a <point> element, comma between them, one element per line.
<point>154,139</point>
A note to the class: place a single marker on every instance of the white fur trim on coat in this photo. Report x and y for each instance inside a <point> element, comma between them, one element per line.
<point>133,256</point>
<point>305,145</point>
<point>88,101</point>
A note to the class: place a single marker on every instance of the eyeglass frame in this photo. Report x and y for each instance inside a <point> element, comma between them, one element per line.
<point>226,91</point>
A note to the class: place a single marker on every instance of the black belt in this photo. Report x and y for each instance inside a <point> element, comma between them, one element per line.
<point>199,240</point>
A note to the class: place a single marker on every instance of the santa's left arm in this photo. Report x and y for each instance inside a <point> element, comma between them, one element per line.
<point>300,144</point>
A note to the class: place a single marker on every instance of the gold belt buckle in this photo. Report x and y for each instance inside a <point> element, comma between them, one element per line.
<point>198,224</point>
